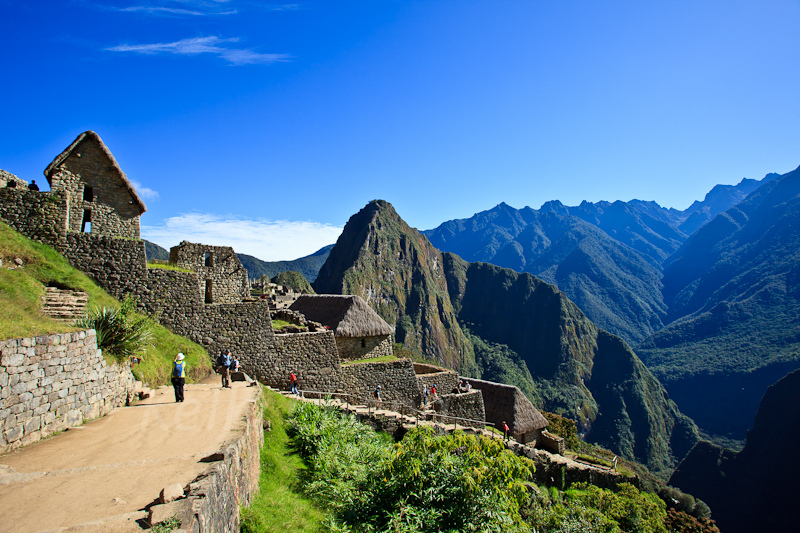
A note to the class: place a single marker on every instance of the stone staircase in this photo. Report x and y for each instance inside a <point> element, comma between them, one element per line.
<point>64,305</point>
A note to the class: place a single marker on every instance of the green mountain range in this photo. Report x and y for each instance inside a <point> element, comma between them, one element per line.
<point>498,324</point>
<point>733,296</point>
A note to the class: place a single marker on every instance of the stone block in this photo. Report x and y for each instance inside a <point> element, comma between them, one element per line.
<point>9,358</point>
<point>171,493</point>
<point>14,433</point>
<point>180,508</point>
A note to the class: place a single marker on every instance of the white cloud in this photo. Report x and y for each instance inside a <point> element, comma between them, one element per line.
<point>203,45</point>
<point>143,191</point>
<point>269,240</point>
<point>283,7</point>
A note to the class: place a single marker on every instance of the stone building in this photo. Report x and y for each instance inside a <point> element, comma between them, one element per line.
<point>221,276</point>
<point>360,332</point>
<point>8,177</point>
<point>100,199</point>
<point>506,403</point>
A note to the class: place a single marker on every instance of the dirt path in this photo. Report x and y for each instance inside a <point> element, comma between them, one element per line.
<point>108,470</point>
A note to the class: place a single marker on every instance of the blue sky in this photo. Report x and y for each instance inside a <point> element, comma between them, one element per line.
<point>265,126</point>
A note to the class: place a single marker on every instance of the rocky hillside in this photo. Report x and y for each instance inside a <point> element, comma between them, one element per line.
<point>732,292</point>
<point>397,270</point>
<point>755,489</point>
<point>615,285</point>
<point>495,323</point>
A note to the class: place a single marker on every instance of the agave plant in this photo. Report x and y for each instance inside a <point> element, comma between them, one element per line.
<point>120,332</point>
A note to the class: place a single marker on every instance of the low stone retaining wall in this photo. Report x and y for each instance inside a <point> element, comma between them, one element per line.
<point>468,405</point>
<point>396,378</point>
<point>53,382</point>
<point>212,500</point>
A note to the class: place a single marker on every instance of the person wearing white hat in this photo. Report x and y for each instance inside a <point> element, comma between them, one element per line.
<point>179,376</point>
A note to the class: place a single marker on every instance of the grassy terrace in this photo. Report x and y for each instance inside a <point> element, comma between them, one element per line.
<point>279,504</point>
<point>22,287</point>
<point>373,360</point>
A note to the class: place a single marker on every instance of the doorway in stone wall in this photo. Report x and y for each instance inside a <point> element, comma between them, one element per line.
<point>209,292</point>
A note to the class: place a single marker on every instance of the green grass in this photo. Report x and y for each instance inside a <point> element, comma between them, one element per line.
<point>21,289</point>
<point>278,325</point>
<point>279,505</point>
<point>381,359</point>
<point>164,265</point>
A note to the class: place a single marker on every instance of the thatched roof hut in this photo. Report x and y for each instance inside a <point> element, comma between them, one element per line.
<point>507,403</point>
<point>346,315</point>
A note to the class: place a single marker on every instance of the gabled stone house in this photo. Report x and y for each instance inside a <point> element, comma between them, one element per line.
<point>100,199</point>
<point>359,331</point>
<point>222,277</point>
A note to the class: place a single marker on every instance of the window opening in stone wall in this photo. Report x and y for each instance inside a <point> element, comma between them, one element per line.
<point>209,259</point>
<point>209,292</point>
<point>86,224</point>
<point>88,194</point>
<point>363,343</point>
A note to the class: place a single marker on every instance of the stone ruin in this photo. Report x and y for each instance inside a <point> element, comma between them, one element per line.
<point>91,216</point>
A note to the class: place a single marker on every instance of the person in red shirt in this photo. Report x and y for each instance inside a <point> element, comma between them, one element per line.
<point>293,383</point>
<point>505,430</point>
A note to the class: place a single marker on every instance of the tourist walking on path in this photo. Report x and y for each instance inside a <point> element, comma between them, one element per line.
<point>425,395</point>
<point>179,376</point>
<point>224,362</point>
<point>505,430</point>
<point>293,383</point>
<point>377,393</point>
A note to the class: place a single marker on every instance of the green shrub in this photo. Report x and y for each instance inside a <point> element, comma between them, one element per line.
<point>121,333</point>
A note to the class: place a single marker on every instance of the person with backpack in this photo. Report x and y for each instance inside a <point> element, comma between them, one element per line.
<point>377,393</point>
<point>293,383</point>
<point>179,376</point>
<point>224,362</point>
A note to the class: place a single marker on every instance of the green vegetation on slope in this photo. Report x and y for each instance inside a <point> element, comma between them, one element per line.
<point>279,504</point>
<point>295,280</point>
<point>426,483</point>
<point>22,287</point>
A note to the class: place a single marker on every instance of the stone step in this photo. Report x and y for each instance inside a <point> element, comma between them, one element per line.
<point>64,305</point>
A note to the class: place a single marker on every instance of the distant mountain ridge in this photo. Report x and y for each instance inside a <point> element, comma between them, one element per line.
<point>610,266</point>
<point>308,266</point>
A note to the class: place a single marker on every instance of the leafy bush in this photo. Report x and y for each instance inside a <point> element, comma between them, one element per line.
<point>424,483</point>
<point>121,333</point>
<point>564,428</point>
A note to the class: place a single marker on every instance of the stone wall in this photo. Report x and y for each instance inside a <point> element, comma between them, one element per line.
<point>118,265</point>
<point>396,378</point>
<point>114,210</point>
<point>445,380</point>
<point>221,276</point>
<point>354,348</point>
<point>37,215</point>
<point>53,382</point>
<point>468,405</point>
<point>213,499</point>
<point>6,177</point>
<point>311,356</point>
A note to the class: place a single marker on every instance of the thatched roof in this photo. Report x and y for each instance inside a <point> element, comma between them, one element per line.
<point>92,136</point>
<point>346,315</point>
<point>507,403</point>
